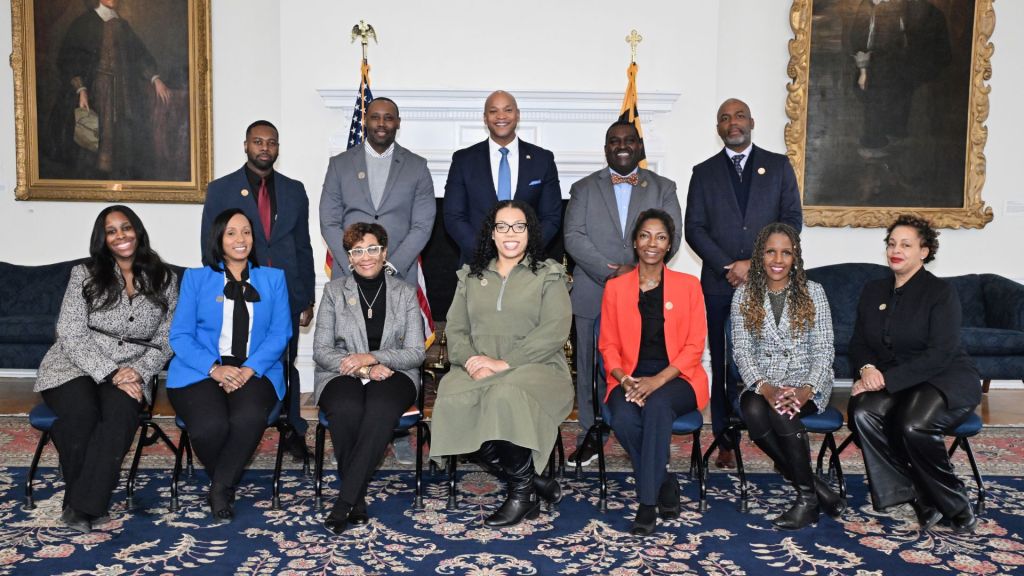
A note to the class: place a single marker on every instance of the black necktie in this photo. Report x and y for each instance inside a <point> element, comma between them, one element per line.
<point>240,291</point>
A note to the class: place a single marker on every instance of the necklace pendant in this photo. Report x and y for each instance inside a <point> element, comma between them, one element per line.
<point>369,313</point>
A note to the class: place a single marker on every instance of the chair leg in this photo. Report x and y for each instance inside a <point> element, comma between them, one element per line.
<point>130,485</point>
<point>183,446</point>
<point>602,475</point>
<point>420,434</point>
<point>43,439</point>
<point>842,447</point>
<point>738,438</point>
<point>697,471</point>
<point>560,446</point>
<point>191,469</point>
<point>275,503</point>
<point>984,386</point>
<point>318,463</point>
<point>452,464</point>
<point>977,474</point>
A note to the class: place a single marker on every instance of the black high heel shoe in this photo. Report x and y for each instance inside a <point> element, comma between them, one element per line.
<point>927,516</point>
<point>668,499</point>
<point>645,521</point>
<point>358,515</point>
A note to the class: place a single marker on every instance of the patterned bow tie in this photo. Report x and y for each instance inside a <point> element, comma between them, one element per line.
<point>632,179</point>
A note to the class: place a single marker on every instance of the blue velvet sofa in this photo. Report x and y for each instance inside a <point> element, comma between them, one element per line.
<point>30,299</point>
<point>993,317</point>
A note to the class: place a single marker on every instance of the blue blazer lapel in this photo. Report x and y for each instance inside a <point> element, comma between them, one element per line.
<point>261,312</point>
<point>210,314</point>
<point>484,163</point>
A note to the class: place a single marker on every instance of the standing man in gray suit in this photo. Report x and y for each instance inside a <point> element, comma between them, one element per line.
<point>599,222</point>
<point>379,182</point>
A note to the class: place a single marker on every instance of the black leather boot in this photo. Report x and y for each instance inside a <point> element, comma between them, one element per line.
<point>830,502</point>
<point>965,521</point>
<point>769,444</point>
<point>547,488</point>
<point>522,502</point>
<point>805,510</point>
<point>488,457</point>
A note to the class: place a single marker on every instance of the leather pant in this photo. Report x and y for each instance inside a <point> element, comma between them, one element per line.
<point>902,438</point>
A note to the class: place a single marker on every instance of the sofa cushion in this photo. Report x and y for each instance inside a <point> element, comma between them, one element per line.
<point>39,289</point>
<point>992,341</point>
<point>843,284</point>
<point>972,299</point>
<point>28,329</point>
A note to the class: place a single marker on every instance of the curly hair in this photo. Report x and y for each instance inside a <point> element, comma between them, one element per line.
<point>929,236</point>
<point>355,232</point>
<point>150,275</point>
<point>801,306</point>
<point>666,220</point>
<point>487,250</point>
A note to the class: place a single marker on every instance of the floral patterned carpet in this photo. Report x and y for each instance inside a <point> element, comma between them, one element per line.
<point>574,538</point>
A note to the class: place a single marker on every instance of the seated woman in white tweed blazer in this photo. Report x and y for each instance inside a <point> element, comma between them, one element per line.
<point>783,347</point>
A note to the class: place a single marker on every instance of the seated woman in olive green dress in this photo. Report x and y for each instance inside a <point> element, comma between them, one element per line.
<point>509,387</point>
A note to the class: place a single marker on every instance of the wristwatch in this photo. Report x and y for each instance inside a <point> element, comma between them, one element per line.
<point>865,367</point>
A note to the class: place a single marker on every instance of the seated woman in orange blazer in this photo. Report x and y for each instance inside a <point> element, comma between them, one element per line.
<point>652,338</point>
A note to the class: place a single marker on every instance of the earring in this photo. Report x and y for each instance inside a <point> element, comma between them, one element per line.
<point>351,267</point>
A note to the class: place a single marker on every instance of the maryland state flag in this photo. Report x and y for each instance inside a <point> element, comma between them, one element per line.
<point>356,134</point>
<point>629,112</point>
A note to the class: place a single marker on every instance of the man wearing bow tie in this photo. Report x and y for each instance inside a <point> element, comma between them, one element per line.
<point>279,210</point>
<point>503,167</point>
<point>599,222</point>
<point>732,196</point>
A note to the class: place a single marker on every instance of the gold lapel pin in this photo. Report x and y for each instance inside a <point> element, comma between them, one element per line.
<point>351,301</point>
<point>361,175</point>
<point>528,157</point>
<point>881,306</point>
<point>643,184</point>
<point>220,298</point>
<point>761,170</point>
<point>244,192</point>
<point>668,305</point>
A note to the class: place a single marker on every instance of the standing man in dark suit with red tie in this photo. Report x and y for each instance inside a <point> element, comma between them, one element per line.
<point>279,208</point>
<point>503,167</point>
<point>732,196</point>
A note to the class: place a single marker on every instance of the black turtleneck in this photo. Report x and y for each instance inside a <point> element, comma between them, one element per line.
<point>369,289</point>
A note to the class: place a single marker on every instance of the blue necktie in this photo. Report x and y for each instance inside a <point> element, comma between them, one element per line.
<point>504,176</point>
<point>737,162</point>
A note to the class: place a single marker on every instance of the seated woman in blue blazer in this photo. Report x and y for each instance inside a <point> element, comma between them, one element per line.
<point>229,333</point>
<point>368,348</point>
<point>783,348</point>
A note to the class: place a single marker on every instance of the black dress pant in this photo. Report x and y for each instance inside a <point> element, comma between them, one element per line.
<point>225,429</point>
<point>96,423</point>
<point>362,420</point>
<point>901,437</point>
<point>723,381</point>
<point>645,433</point>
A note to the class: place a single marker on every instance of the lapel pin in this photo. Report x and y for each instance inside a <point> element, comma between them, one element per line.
<point>761,170</point>
<point>643,184</point>
<point>221,297</point>
<point>881,306</point>
<point>351,301</point>
<point>361,175</point>
<point>244,192</point>
<point>483,282</point>
<point>668,305</point>
<point>528,157</point>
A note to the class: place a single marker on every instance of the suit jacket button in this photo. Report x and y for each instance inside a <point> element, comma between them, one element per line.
<point>120,343</point>
<point>131,318</point>
<point>376,217</point>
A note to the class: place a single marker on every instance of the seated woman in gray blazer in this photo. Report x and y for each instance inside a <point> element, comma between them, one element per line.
<point>782,345</point>
<point>111,340</point>
<point>368,348</point>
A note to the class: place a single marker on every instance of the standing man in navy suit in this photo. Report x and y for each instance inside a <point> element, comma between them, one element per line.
<point>732,196</point>
<point>503,167</point>
<point>279,209</point>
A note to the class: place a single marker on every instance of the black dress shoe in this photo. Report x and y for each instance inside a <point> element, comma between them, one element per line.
<point>668,498</point>
<point>645,521</point>
<point>337,520</point>
<point>585,454</point>
<point>965,521</point>
<point>927,516</point>
<point>358,515</point>
<point>76,520</point>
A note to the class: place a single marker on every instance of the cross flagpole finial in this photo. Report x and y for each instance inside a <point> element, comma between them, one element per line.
<point>633,39</point>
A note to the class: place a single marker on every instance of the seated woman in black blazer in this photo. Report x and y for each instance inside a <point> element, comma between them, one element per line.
<point>915,381</point>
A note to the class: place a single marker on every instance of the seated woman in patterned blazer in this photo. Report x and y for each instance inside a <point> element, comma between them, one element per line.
<point>782,340</point>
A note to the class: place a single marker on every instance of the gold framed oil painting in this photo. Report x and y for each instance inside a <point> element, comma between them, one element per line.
<point>112,99</point>
<point>887,106</point>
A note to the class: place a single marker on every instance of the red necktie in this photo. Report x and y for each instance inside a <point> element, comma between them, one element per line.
<point>631,179</point>
<point>263,205</point>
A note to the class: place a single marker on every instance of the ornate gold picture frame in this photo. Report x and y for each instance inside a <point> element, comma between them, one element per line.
<point>887,107</point>
<point>112,99</point>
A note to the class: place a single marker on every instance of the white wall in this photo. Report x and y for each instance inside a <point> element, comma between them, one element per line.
<point>269,63</point>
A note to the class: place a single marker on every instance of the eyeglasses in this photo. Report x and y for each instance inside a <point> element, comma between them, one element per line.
<point>503,227</point>
<point>360,252</point>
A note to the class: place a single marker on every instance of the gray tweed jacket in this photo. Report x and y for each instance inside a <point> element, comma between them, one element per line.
<point>781,357</point>
<point>341,330</point>
<point>79,351</point>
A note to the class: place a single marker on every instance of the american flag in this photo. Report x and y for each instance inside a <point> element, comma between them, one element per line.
<point>356,134</point>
